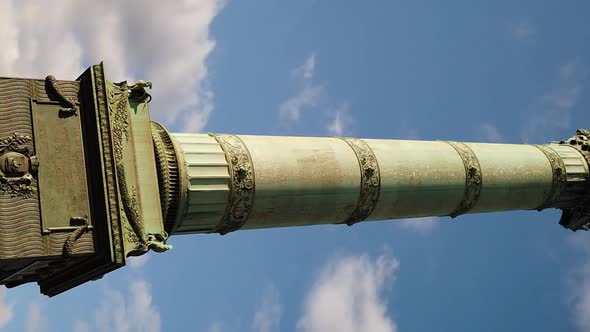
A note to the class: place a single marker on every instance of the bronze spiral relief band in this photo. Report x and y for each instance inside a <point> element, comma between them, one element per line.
<point>370,181</point>
<point>473,178</point>
<point>241,171</point>
<point>559,175</point>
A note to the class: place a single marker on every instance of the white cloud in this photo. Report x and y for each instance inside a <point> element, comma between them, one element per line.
<point>6,312</point>
<point>579,282</point>
<point>216,326</point>
<point>36,319</point>
<point>490,133</point>
<point>523,30</point>
<point>165,43</point>
<point>349,296</point>
<point>134,313</point>
<point>80,326</point>
<point>555,112</point>
<point>137,262</point>
<point>307,96</point>
<point>418,225</point>
<point>307,70</point>
<point>268,311</point>
<point>125,312</point>
<point>340,121</point>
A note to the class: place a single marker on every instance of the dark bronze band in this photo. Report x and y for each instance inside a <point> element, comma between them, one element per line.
<point>559,175</point>
<point>241,172</point>
<point>370,180</point>
<point>473,178</point>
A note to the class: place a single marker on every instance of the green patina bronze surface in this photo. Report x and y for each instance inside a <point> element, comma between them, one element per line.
<point>87,180</point>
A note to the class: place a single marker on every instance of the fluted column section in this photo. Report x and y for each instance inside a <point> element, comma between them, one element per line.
<point>205,182</point>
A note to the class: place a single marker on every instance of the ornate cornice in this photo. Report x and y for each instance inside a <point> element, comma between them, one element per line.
<point>577,217</point>
<point>241,169</point>
<point>370,180</point>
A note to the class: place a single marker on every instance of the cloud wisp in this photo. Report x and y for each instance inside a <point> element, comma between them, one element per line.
<point>579,282</point>
<point>340,120</point>
<point>6,312</point>
<point>133,311</point>
<point>308,95</point>
<point>268,311</point>
<point>523,31</point>
<point>349,295</point>
<point>557,104</point>
<point>307,70</point>
<point>418,225</point>
<point>167,44</point>
<point>36,321</point>
<point>490,133</point>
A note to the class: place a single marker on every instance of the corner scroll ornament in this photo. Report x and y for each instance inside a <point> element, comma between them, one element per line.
<point>119,97</point>
<point>17,161</point>
<point>473,178</point>
<point>370,181</point>
<point>72,105</point>
<point>241,197</point>
<point>84,226</point>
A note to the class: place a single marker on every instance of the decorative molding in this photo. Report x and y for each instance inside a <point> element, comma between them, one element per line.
<point>577,217</point>
<point>473,178</point>
<point>118,101</point>
<point>133,234</point>
<point>559,175</point>
<point>105,135</point>
<point>241,169</point>
<point>370,180</point>
<point>72,108</point>
<point>168,174</point>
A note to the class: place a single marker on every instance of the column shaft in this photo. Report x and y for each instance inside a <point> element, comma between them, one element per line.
<point>248,182</point>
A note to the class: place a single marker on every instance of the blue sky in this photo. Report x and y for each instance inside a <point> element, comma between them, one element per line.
<point>460,70</point>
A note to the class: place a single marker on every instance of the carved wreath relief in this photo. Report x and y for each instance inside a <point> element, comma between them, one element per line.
<point>370,180</point>
<point>473,178</point>
<point>242,183</point>
<point>17,161</point>
<point>559,174</point>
